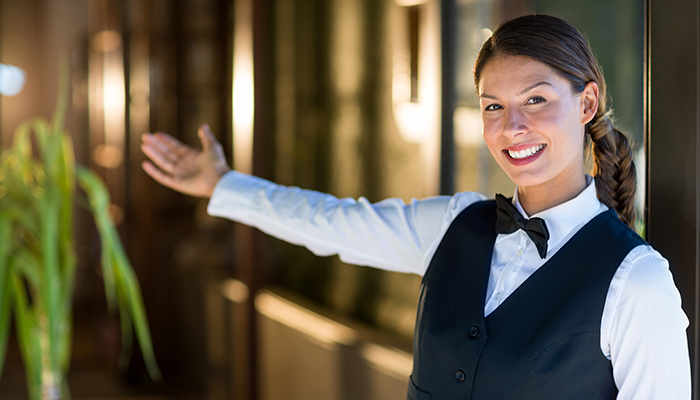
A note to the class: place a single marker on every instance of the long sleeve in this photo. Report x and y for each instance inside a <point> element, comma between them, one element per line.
<point>389,235</point>
<point>646,330</point>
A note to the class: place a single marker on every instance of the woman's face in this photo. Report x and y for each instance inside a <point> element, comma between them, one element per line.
<point>533,123</point>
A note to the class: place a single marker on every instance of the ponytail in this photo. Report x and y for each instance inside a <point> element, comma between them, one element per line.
<point>614,170</point>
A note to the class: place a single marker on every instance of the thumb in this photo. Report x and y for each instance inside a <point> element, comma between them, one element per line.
<point>206,137</point>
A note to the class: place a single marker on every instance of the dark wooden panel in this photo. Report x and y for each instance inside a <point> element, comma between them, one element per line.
<point>672,146</point>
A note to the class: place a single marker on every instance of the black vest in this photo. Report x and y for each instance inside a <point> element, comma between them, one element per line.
<point>542,342</point>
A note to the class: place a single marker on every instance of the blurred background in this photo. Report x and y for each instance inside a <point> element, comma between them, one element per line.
<point>369,98</point>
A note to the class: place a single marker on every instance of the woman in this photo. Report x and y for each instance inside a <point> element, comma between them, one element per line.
<point>549,295</point>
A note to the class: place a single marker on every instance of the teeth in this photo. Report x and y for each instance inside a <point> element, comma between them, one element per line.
<point>525,153</point>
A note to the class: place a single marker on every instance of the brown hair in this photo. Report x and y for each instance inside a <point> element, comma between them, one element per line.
<point>562,47</point>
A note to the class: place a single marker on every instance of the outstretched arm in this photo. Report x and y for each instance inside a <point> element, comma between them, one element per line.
<point>183,168</point>
<point>390,234</point>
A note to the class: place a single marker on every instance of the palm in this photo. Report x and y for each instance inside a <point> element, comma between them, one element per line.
<point>183,168</point>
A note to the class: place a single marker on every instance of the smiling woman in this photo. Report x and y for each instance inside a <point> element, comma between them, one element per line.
<point>547,295</point>
<point>568,67</point>
<point>536,131</point>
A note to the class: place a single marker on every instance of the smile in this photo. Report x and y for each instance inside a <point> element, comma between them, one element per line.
<point>518,155</point>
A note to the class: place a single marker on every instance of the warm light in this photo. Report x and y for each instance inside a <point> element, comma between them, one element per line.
<point>401,82</point>
<point>408,3</point>
<point>113,91</point>
<point>107,156</point>
<point>106,41</point>
<point>391,361</point>
<point>303,320</point>
<point>113,100</point>
<point>116,213</point>
<point>243,114</point>
<point>235,290</point>
<point>468,126</point>
<point>243,89</point>
<point>417,115</point>
<point>413,121</point>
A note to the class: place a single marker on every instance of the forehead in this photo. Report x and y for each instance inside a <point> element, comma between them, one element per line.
<point>508,74</point>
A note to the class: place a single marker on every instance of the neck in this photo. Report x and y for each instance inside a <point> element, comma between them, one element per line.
<point>538,198</point>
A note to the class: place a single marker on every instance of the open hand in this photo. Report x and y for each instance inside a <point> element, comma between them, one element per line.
<point>181,167</point>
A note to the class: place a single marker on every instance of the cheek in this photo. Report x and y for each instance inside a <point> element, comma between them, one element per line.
<point>549,119</point>
<point>574,133</point>
<point>560,128</point>
<point>491,129</point>
<point>490,137</point>
<point>569,142</point>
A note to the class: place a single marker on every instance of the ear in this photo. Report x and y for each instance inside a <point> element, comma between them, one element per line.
<point>589,102</point>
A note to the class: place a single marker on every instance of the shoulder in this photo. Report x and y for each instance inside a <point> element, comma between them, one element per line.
<point>645,270</point>
<point>643,289</point>
<point>457,204</point>
<point>646,329</point>
<point>461,201</point>
<point>644,265</point>
<point>642,284</point>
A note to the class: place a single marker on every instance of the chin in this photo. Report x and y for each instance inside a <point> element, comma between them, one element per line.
<point>527,180</point>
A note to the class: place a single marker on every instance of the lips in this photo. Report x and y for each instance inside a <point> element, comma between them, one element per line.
<point>524,156</point>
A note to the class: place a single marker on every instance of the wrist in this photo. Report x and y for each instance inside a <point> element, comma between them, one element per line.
<point>216,178</point>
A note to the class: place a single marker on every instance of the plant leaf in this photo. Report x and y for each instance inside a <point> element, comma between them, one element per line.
<point>28,266</point>
<point>41,128</point>
<point>98,198</point>
<point>51,283</point>
<point>5,302</point>
<point>122,276</point>
<point>66,181</point>
<point>127,329</point>
<point>62,99</point>
<point>28,337</point>
<point>132,293</point>
<point>6,291</point>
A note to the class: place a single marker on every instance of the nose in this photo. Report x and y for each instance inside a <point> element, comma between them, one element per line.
<point>514,123</point>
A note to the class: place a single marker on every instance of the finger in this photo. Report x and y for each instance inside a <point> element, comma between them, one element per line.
<point>176,146</point>
<point>168,149</point>
<point>160,156</point>
<point>160,152</point>
<point>207,137</point>
<point>158,175</point>
<point>159,141</point>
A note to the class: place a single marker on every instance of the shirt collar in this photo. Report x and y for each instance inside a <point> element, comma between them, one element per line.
<point>562,219</point>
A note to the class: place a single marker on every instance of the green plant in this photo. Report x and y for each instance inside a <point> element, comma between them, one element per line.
<point>38,259</point>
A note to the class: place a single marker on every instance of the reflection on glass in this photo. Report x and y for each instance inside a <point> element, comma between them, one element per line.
<point>415,79</point>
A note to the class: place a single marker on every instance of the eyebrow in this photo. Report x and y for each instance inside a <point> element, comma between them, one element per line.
<point>527,89</point>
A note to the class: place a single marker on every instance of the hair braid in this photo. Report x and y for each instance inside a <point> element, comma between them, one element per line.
<point>614,169</point>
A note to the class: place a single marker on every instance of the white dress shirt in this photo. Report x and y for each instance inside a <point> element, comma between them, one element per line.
<point>643,327</point>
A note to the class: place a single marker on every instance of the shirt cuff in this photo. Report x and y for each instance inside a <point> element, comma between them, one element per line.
<point>234,196</point>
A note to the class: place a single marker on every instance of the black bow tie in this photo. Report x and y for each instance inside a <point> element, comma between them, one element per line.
<point>509,220</point>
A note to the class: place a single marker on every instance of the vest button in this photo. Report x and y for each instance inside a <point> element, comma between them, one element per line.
<point>473,331</point>
<point>460,376</point>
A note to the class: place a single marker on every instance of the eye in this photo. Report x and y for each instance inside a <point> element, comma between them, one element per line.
<point>493,107</point>
<point>536,100</point>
